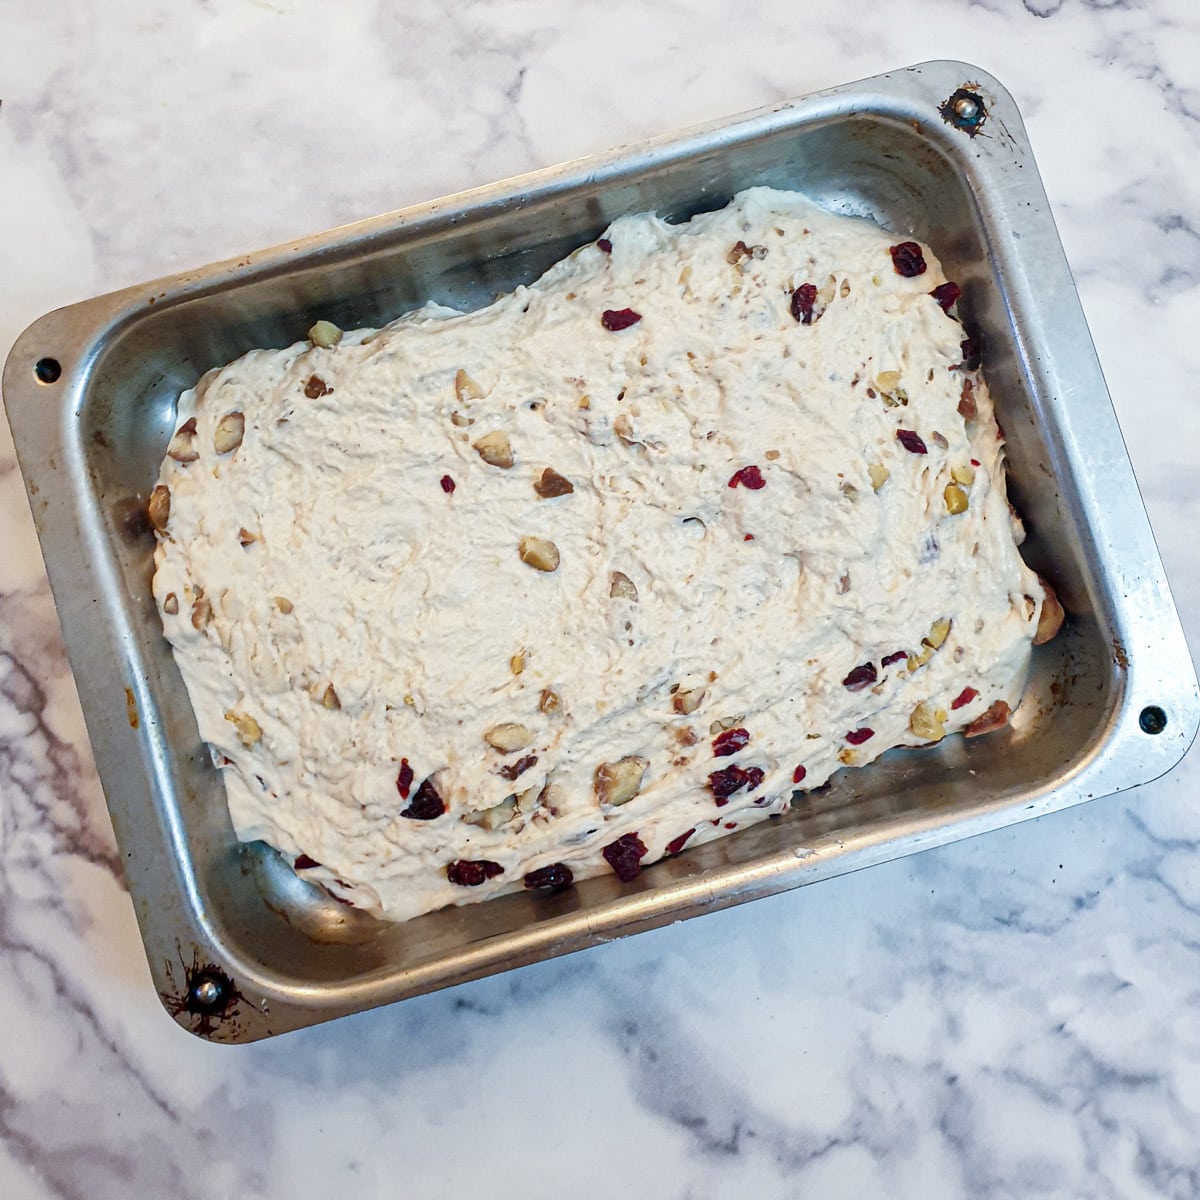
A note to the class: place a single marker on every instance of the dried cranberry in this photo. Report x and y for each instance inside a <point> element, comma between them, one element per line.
<point>730,741</point>
<point>468,872</point>
<point>304,863</point>
<point>749,477</point>
<point>946,294</point>
<point>911,441</point>
<point>625,856</point>
<point>316,387</point>
<point>803,299</point>
<point>518,768</point>
<point>964,697</point>
<point>676,844</point>
<point>426,804</point>
<point>972,353</point>
<point>798,775</point>
<point>447,484</point>
<point>556,876</point>
<point>615,320</point>
<point>856,737</point>
<point>908,259</point>
<point>749,537</point>
<point>899,656</point>
<point>604,244</point>
<point>732,779</point>
<point>404,779</point>
<point>860,678</point>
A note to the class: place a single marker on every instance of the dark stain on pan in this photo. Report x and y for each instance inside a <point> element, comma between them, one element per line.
<point>964,109</point>
<point>209,1003</point>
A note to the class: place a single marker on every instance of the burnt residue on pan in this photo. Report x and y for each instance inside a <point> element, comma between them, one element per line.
<point>964,109</point>
<point>209,1002</point>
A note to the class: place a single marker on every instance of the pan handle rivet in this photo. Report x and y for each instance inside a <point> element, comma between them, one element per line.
<point>1152,719</point>
<point>206,993</point>
<point>967,109</point>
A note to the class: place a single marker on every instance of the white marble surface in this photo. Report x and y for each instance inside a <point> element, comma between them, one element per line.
<point>1015,1016</point>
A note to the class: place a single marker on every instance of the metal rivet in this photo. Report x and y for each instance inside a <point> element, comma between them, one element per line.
<point>207,992</point>
<point>967,108</point>
<point>1152,719</point>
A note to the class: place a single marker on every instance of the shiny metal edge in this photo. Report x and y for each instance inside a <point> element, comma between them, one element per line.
<point>181,943</point>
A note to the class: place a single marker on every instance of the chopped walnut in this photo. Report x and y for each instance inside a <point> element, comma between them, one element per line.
<point>618,782</point>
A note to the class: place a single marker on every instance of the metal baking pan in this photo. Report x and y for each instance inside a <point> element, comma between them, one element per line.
<point>239,947</point>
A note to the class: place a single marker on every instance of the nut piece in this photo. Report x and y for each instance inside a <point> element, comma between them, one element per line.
<point>465,388</point>
<point>550,701</point>
<point>325,334</point>
<point>245,537</point>
<point>249,731</point>
<point>939,631</point>
<point>330,698</point>
<point>879,475</point>
<point>996,717</point>
<point>284,605</point>
<point>229,432</point>
<point>687,700</point>
<point>516,664</point>
<point>201,611</point>
<point>1051,617</point>
<point>508,737</point>
<point>171,604</point>
<point>964,474</point>
<point>925,724</point>
<point>159,508</point>
<point>494,817</point>
<point>887,381</point>
<point>183,445</point>
<point>553,484</point>
<point>618,782</point>
<point>622,587</point>
<point>538,553</point>
<point>956,499</point>
<point>495,449</point>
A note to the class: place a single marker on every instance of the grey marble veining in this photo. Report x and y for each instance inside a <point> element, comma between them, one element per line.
<point>1013,1016</point>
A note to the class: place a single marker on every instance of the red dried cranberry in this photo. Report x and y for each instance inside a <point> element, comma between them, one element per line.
<point>749,477</point>
<point>971,352</point>
<point>946,294</point>
<point>798,775</point>
<point>964,697</point>
<point>899,656</point>
<point>556,876</point>
<point>447,484</point>
<point>304,863</point>
<point>316,387</point>
<point>974,462</point>
<point>732,779</point>
<point>856,737</point>
<point>803,299</point>
<point>404,779</point>
<point>911,441</point>
<point>908,259</point>
<point>468,872</point>
<point>604,244</point>
<point>426,804</point>
<point>615,320</point>
<point>625,856</point>
<point>730,741</point>
<point>861,677</point>
<point>676,844</point>
<point>749,537</point>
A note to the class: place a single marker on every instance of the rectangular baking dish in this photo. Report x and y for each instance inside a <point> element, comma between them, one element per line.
<point>239,948</point>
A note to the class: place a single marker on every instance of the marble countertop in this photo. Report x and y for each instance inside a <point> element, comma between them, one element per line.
<point>1013,1016</point>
